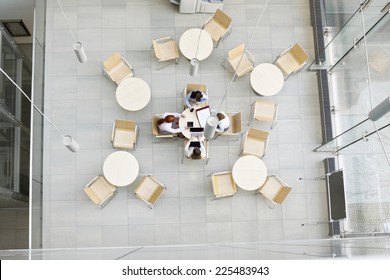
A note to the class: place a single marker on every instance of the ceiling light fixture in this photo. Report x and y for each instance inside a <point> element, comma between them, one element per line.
<point>77,46</point>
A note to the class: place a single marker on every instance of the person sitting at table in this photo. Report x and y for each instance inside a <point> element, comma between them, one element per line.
<point>195,149</point>
<point>224,122</point>
<point>169,123</point>
<point>195,98</point>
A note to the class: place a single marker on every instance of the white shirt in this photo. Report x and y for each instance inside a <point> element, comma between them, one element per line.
<point>167,127</point>
<point>224,124</point>
<point>189,150</point>
<point>190,101</point>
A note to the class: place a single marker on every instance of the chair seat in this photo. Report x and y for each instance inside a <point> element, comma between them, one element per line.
<point>215,30</point>
<point>287,63</point>
<point>100,190</point>
<point>120,72</point>
<point>264,111</point>
<point>124,138</point>
<point>245,66</point>
<point>223,185</point>
<point>253,147</point>
<point>167,51</point>
<point>272,189</point>
<point>149,190</point>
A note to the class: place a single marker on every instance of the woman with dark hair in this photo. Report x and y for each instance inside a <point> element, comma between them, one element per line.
<point>195,149</point>
<point>169,123</point>
<point>195,98</point>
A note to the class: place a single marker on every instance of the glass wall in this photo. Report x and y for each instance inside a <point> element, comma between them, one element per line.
<point>358,65</point>
<point>14,118</point>
<point>14,143</point>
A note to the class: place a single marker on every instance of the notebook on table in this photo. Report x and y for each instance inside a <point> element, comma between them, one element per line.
<point>202,114</point>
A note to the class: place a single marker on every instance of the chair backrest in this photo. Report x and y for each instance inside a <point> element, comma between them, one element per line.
<point>125,124</point>
<point>155,130</point>
<point>191,87</point>
<point>258,134</point>
<point>299,54</point>
<point>157,49</point>
<point>275,189</point>
<point>235,123</point>
<point>222,19</point>
<point>236,52</point>
<point>112,61</point>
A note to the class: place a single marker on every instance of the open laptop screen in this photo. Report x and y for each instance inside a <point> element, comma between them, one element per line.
<point>196,132</point>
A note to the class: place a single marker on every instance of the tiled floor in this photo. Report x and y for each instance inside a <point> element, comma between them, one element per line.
<point>81,101</point>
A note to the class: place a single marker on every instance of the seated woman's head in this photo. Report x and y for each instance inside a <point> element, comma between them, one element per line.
<point>220,116</point>
<point>197,95</point>
<point>196,153</point>
<point>167,119</point>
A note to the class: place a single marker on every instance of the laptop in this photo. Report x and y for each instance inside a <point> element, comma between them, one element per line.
<point>195,144</point>
<point>196,132</point>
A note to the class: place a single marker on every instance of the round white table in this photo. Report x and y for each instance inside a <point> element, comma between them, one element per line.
<point>188,44</point>
<point>133,94</point>
<point>249,172</point>
<point>266,79</point>
<point>189,117</point>
<point>120,168</point>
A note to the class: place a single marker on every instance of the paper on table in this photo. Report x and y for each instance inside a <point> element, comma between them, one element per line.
<point>203,114</point>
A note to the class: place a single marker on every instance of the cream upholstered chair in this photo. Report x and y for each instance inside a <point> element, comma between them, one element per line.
<point>275,190</point>
<point>156,131</point>
<point>191,87</point>
<point>223,184</point>
<point>291,60</point>
<point>100,191</point>
<point>262,110</point>
<point>165,49</point>
<point>255,143</point>
<point>149,190</point>
<point>124,134</point>
<point>219,25</point>
<point>117,68</point>
<point>235,127</point>
<point>236,64</point>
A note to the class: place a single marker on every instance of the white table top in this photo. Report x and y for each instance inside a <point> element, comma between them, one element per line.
<point>189,117</point>
<point>120,168</point>
<point>188,44</point>
<point>249,172</point>
<point>267,79</point>
<point>133,94</point>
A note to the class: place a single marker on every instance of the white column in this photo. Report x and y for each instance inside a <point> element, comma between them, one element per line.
<point>211,125</point>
